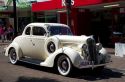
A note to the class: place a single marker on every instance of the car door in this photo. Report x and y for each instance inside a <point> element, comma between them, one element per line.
<point>25,42</point>
<point>38,40</point>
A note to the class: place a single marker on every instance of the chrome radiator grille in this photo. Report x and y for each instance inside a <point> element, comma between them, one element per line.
<point>92,53</point>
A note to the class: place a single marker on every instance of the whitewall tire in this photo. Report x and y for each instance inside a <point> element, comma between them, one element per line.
<point>64,65</point>
<point>13,56</point>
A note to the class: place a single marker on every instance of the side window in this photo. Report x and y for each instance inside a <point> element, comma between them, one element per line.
<point>39,31</point>
<point>27,32</point>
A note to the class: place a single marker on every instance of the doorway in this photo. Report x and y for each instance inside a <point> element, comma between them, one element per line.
<point>101,28</point>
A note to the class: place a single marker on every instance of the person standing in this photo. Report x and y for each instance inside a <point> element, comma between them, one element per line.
<point>10,32</point>
<point>1,33</point>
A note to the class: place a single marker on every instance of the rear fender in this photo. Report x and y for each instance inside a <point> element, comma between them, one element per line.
<point>16,47</point>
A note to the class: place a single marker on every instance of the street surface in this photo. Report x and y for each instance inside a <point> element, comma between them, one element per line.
<point>24,72</point>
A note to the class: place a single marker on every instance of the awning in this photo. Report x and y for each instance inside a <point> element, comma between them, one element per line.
<point>60,4</point>
<point>46,5</point>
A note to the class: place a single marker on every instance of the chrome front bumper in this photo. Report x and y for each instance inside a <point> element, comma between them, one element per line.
<point>92,66</point>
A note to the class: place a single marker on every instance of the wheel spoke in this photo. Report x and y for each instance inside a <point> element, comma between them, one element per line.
<point>64,65</point>
<point>13,56</point>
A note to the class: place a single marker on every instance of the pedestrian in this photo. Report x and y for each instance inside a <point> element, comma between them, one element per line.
<point>1,33</point>
<point>5,33</point>
<point>10,32</point>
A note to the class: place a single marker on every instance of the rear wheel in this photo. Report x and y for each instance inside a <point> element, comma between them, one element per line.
<point>13,56</point>
<point>64,65</point>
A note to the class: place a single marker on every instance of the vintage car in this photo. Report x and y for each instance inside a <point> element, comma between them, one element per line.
<point>53,45</point>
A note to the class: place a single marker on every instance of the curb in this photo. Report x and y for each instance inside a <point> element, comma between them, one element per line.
<point>4,43</point>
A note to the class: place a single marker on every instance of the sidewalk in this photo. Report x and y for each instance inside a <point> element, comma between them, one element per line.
<point>5,42</point>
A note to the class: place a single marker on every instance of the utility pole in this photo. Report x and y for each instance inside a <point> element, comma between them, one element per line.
<point>32,13</point>
<point>15,17</point>
<point>68,8</point>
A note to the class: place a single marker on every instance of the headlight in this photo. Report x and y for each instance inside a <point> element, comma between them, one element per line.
<point>99,46</point>
<point>84,47</point>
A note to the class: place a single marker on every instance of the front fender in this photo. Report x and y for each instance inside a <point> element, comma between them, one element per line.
<point>105,55</point>
<point>103,51</point>
<point>16,47</point>
<point>72,54</point>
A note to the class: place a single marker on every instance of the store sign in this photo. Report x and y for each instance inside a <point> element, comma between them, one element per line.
<point>64,2</point>
<point>60,4</point>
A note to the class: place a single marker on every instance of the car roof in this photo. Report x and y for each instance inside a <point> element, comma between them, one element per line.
<point>44,24</point>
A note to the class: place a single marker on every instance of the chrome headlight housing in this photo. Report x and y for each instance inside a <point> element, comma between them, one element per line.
<point>84,47</point>
<point>98,46</point>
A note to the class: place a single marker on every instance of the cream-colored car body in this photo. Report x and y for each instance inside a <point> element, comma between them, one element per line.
<point>35,47</point>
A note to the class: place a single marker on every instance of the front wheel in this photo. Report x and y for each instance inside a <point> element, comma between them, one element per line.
<point>64,65</point>
<point>13,56</point>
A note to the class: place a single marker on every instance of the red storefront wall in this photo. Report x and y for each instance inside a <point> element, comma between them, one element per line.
<point>47,5</point>
<point>57,4</point>
<point>80,21</point>
<point>74,19</point>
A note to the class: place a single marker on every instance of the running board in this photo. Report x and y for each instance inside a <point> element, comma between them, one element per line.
<point>31,61</point>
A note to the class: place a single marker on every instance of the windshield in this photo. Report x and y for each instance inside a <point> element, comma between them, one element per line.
<point>59,30</point>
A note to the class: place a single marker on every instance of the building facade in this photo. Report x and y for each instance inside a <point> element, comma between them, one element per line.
<point>24,14</point>
<point>105,19</point>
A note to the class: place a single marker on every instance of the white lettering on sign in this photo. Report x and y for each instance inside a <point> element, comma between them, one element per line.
<point>64,2</point>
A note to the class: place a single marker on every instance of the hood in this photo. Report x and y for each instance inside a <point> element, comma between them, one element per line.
<point>72,39</point>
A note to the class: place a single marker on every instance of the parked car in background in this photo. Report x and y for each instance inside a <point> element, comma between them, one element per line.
<point>53,45</point>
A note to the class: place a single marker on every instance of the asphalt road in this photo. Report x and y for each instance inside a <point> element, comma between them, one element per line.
<point>24,72</point>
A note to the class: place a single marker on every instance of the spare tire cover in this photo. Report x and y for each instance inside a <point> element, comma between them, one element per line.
<point>51,45</point>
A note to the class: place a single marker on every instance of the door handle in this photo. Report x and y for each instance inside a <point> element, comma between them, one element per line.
<point>32,43</point>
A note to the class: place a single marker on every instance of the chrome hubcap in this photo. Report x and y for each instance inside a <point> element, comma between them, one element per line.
<point>64,65</point>
<point>13,56</point>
